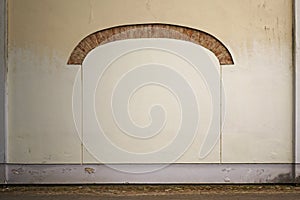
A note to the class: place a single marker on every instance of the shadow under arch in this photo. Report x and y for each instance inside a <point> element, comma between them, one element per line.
<point>150,31</point>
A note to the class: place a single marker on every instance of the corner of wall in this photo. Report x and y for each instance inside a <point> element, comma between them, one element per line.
<point>3,56</point>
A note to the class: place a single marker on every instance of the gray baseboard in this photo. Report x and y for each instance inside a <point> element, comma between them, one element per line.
<point>297,173</point>
<point>174,173</point>
<point>2,174</point>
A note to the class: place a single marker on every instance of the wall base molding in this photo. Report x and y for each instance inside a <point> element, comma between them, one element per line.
<point>173,173</point>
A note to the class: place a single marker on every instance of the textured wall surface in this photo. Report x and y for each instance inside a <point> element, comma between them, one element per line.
<point>258,87</point>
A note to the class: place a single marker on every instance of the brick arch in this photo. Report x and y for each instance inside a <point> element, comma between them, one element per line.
<point>150,31</point>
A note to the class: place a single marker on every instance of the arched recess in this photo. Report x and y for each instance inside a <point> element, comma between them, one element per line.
<point>150,31</point>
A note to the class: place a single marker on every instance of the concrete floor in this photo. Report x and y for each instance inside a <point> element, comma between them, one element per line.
<point>145,192</point>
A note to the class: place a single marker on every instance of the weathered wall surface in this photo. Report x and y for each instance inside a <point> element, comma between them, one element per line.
<point>2,81</point>
<point>258,87</point>
<point>297,85</point>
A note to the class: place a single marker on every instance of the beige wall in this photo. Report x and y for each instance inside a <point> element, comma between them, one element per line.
<point>42,34</point>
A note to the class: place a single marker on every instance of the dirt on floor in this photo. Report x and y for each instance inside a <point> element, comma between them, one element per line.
<point>129,190</point>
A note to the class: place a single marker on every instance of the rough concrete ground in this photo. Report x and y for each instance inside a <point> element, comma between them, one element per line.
<point>144,192</point>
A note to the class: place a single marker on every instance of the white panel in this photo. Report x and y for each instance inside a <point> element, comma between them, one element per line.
<point>129,77</point>
<point>258,121</point>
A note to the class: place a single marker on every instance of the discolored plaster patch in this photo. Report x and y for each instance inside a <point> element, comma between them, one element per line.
<point>283,178</point>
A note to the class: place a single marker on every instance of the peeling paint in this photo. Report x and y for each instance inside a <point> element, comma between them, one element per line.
<point>89,170</point>
<point>260,171</point>
<point>227,179</point>
<point>17,171</point>
<point>66,170</point>
<point>33,172</point>
<point>227,169</point>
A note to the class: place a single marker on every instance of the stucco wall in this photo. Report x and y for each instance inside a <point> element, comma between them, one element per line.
<point>258,87</point>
